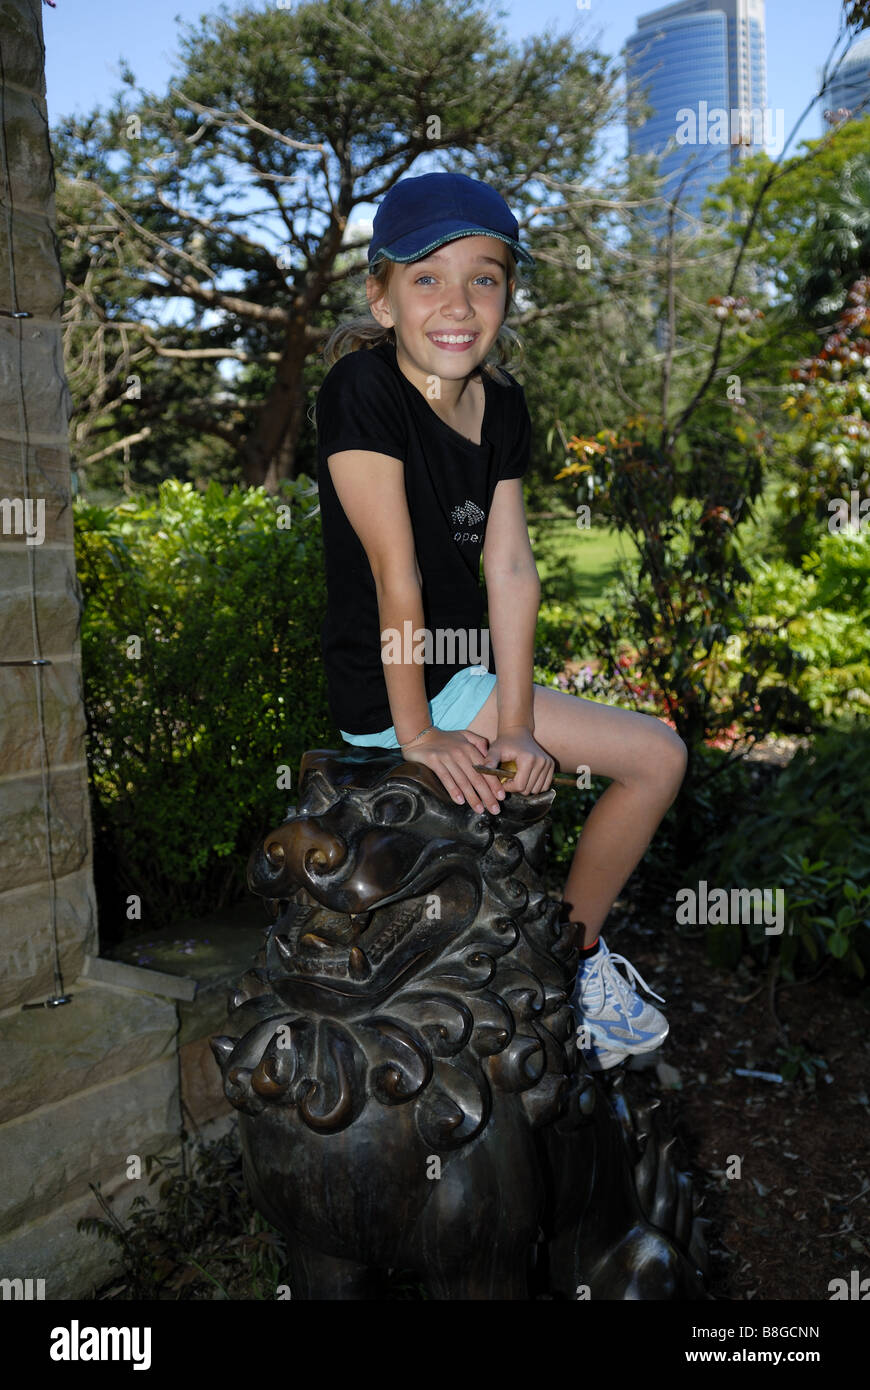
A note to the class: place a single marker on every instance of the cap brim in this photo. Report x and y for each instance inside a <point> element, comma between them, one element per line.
<point>408,248</point>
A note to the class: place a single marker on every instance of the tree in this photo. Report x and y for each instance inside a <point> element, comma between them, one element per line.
<point>839,250</point>
<point>811,236</point>
<point>316,110</point>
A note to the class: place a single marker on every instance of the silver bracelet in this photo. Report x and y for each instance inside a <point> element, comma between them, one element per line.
<point>420,735</point>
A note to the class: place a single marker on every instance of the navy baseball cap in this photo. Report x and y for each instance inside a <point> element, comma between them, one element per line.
<point>420,214</point>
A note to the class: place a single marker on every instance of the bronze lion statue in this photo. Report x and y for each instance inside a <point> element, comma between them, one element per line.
<point>405,1064</point>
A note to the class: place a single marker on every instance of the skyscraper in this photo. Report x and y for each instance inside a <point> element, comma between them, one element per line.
<point>701,66</point>
<point>849,93</point>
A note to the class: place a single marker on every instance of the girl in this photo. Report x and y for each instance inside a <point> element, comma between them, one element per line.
<point>422,444</point>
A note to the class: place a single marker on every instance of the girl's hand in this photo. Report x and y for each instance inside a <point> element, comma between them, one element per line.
<point>451,754</point>
<point>535,768</point>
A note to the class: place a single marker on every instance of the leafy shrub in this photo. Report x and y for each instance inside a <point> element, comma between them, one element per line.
<point>810,837</point>
<point>557,635</point>
<point>676,611</point>
<point>825,610</point>
<point>842,570</point>
<point>202,1239</point>
<point>202,676</point>
<point>707,803</point>
<point>826,454</point>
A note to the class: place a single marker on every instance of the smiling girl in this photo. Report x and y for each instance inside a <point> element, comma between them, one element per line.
<point>422,444</point>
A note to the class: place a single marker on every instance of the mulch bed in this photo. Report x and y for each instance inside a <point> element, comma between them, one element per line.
<point>796,1218</point>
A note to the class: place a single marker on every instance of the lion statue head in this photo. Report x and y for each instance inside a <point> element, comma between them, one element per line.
<point>412,961</point>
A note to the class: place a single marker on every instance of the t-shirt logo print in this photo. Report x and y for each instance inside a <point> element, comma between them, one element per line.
<point>467,514</point>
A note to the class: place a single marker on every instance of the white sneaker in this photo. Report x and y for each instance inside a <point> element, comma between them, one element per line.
<point>614,1016</point>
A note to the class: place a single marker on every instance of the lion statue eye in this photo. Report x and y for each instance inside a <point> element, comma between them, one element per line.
<point>393,809</point>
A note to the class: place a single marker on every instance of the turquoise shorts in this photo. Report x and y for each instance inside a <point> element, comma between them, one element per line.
<point>454,707</point>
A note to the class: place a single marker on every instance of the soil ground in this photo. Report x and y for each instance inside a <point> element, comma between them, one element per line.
<point>797,1215</point>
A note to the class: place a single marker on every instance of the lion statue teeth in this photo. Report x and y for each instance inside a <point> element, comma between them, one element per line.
<point>404,1060</point>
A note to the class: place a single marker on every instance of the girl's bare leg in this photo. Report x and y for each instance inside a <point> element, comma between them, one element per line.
<point>645,759</point>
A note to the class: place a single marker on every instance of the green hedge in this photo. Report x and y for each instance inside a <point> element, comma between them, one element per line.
<point>189,725</point>
<point>825,610</point>
<point>809,836</point>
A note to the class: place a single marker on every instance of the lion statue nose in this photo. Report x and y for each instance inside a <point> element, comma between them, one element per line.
<point>293,851</point>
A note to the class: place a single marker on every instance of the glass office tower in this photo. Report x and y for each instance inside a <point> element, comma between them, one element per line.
<point>849,93</point>
<point>701,66</point>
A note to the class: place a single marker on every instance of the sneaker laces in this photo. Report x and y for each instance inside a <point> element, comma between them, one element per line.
<point>619,985</point>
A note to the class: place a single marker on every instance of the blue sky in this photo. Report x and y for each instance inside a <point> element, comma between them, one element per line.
<point>85,39</point>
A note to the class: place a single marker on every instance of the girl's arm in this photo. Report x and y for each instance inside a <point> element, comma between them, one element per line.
<point>514,595</point>
<point>400,599</point>
<point>514,591</point>
<point>513,611</point>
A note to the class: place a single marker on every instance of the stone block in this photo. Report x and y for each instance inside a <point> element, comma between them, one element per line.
<point>31,357</point>
<point>23,857</point>
<point>49,1156</point>
<point>52,1054</point>
<point>217,1128</point>
<point>202,1088</point>
<point>114,972</point>
<point>58,603</point>
<point>45,468</point>
<point>26,949</point>
<point>63,717</point>
<point>23,56</point>
<point>73,1263</point>
<point>215,952</point>
<point>27,241</point>
<point>42,473</point>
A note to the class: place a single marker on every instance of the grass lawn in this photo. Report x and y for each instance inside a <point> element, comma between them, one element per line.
<point>576,565</point>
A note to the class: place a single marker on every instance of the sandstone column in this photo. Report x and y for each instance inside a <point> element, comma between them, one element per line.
<point>45,830</point>
<point>89,1085</point>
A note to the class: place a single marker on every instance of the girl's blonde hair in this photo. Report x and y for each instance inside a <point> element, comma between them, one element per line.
<point>365,331</point>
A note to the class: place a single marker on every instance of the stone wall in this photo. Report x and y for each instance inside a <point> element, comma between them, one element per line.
<point>86,1086</point>
<point>117,1072</point>
<point>43,777</point>
<point>89,1082</point>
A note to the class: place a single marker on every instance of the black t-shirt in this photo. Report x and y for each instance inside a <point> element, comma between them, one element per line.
<point>366,402</point>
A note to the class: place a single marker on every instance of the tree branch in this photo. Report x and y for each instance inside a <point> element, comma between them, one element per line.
<point>228,118</point>
<point>119,444</point>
